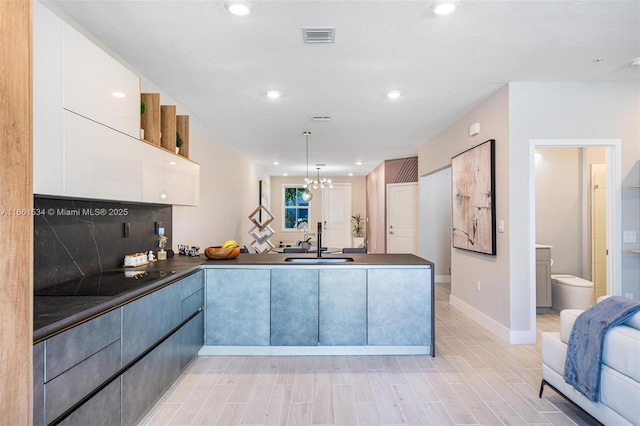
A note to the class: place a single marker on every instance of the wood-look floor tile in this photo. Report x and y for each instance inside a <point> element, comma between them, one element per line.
<point>476,405</point>
<point>163,415</point>
<point>344,405</point>
<point>277,410</point>
<point>437,414</point>
<point>410,405</point>
<point>323,412</point>
<point>386,401</point>
<point>195,400</point>
<point>368,414</point>
<point>507,414</point>
<point>300,413</point>
<point>213,405</point>
<point>232,414</point>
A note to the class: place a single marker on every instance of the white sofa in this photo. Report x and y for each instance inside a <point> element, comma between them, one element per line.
<point>620,381</point>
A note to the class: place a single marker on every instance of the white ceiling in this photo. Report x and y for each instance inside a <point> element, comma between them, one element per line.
<point>219,66</point>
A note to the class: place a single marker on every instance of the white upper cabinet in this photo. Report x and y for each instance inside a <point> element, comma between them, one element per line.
<point>86,140</point>
<point>98,87</point>
<point>48,144</point>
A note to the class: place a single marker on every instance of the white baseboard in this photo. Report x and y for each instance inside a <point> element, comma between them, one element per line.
<point>522,337</point>
<point>443,278</point>
<point>314,350</point>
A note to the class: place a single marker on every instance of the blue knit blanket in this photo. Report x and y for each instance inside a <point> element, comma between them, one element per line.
<point>584,353</point>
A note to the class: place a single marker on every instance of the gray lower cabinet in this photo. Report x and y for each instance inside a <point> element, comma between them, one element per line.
<point>399,307</point>
<point>145,381</point>
<point>343,307</point>
<point>38,383</point>
<point>237,307</point>
<point>101,410</point>
<point>148,319</point>
<point>74,384</point>
<point>71,365</point>
<point>294,307</point>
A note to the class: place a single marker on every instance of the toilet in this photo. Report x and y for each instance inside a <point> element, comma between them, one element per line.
<point>570,292</point>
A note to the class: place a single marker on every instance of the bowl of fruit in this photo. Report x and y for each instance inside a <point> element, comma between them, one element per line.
<point>228,250</point>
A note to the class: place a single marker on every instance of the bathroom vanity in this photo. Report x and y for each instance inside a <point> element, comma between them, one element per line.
<point>543,278</point>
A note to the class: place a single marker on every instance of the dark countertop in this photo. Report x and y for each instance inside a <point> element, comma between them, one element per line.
<point>65,305</point>
<point>360,259</point>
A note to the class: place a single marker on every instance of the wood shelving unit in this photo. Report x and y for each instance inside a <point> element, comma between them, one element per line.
<point>182,127</point>
<point>150,120</point>
<point>161,125</point>
<point>168,127</point>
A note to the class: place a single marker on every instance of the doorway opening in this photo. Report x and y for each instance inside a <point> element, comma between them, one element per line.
<point>611,199</point>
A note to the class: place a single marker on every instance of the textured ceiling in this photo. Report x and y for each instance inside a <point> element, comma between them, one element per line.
<point>219,66</point>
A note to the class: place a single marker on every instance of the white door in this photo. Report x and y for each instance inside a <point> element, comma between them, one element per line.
<point>599,229</point>
<point>336,216</point>
<point>402,218</point>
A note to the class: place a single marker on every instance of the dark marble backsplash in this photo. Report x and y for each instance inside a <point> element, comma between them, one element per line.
<point>75,238</point>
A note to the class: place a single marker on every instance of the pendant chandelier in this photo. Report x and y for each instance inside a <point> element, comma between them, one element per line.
<point>319,183</point>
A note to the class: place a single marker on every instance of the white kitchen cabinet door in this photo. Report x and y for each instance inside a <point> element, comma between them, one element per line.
<point>92,77</point>
<point>153,180</point>
<point>100,162</point>
<point>182,180</point>
<point>47,102</point>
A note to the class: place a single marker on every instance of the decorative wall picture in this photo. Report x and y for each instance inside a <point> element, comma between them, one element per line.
<point>473,188</point>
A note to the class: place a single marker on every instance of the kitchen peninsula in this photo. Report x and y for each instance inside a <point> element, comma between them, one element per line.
<point>269,305</point>
<point>127,338</point>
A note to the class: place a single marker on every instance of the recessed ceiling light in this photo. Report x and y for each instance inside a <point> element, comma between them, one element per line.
<point>350,174</point>
<point>358,163</point>
<point>285,174</point>
<point>393,94</point>
<point>119,95</point>
<point>276,162</point>
<point>238,7</point>
<point>273,94</point>
<point>635,62</point>
<point>443,7</point>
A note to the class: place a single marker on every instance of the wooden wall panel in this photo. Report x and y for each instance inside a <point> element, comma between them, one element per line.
<point>16,224</point>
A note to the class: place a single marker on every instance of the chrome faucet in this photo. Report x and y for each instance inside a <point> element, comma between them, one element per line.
<point>319,239</point>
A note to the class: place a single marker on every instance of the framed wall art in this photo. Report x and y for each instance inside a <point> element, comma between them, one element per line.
<point>473,196</point>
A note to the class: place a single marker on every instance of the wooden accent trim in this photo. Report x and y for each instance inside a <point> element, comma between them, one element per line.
<point>182,127</point>
<point>16,224</point>
<point>168,126</point>
<point>150,120</point>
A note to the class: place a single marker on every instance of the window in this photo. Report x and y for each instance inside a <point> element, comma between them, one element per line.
<point>296,209</point>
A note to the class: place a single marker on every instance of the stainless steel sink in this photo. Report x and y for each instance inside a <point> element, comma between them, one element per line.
<point>319,259</point>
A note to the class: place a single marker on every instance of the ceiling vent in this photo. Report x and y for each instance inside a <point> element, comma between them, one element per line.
<point>321,117</point>
<point>318,35</point>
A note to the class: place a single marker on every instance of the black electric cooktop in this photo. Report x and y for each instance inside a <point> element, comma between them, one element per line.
<point>107,283</point>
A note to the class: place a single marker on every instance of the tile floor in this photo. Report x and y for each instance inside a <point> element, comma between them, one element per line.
<point>475,378</point>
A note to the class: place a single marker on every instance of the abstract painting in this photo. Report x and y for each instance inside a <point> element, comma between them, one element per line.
<point>473,195</point>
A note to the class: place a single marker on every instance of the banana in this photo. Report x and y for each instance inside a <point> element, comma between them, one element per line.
<point>229,244</point>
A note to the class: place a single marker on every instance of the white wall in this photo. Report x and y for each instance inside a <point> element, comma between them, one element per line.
<point>513,116</point>
<point>490,305</point>
<point>435,221</point>
<point>570,111</point>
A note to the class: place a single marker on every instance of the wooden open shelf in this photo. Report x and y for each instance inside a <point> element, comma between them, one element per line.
<point>182,127</point>
<point>161,125</point>
<point>168,127</point>
<point>150,120</point>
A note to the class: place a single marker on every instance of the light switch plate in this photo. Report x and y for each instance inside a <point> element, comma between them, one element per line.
<point>629,236</point>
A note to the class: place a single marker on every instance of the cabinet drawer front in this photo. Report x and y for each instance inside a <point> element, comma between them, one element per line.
<point>343,307</point>
<point>70,387</point>
<point>399,307</point>
<point>237,307</point>
<point>101,410</point>
<point>191,304</point>
<point>294,307</point>
<point>191,284</point>
<point>77,344</point>
<point>148,319</point>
